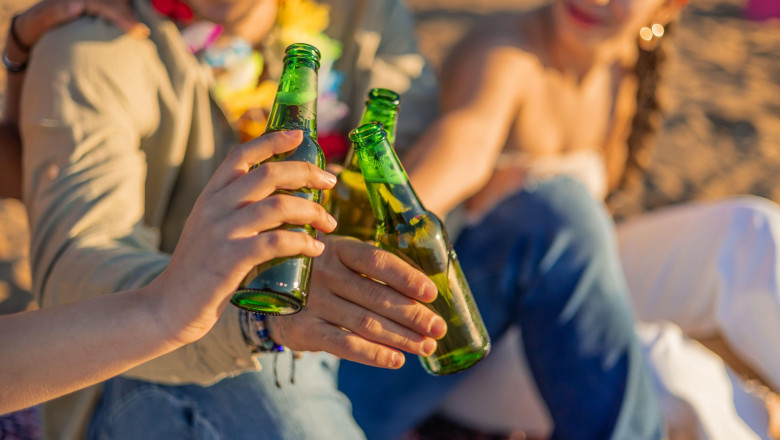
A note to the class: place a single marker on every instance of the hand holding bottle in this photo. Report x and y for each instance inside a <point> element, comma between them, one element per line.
<point>354,317</point>
<point>234,226</point>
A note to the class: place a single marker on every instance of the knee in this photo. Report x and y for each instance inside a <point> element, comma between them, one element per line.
<point>746,222</point>
<point>149,411</point>
<point>749,213</point>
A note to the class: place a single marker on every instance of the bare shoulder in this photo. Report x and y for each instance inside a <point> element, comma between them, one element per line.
<point>495,53</point>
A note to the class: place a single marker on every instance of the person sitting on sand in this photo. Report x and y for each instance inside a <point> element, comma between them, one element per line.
<point>545,114</point>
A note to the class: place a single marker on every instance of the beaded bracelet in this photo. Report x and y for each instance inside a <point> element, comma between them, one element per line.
<point>13,66</point>
<point>256,333</point>
<point>9,64</point>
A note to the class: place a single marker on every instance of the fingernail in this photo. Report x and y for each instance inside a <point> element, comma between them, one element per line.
<point>438,328</point>
<point>320,245</point>
<point>329,178</point>
<point>292,133</point>
<point>429,292</point>
<point>139,31</point>
<point>396,360</point>
<point>332,220</point>
<point>428,347</point>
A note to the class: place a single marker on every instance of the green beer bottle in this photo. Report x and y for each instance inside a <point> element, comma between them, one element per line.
<point>349,202</point>
<point>408,230</point>
<point>280,286</point>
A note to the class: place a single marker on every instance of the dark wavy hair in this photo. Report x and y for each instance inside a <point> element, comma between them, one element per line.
<point>649,111</point>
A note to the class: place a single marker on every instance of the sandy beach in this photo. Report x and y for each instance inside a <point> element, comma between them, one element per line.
<point>721,91</point>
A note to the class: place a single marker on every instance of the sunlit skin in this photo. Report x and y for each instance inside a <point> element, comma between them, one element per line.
<point>250,19</point>
<point>543,84</point>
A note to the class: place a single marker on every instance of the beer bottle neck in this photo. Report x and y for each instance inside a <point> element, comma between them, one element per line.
<point>394,204</point>
<point>295,104</point>
<point>375,111</point>
<point>393,199</point>
<point>386,114</point>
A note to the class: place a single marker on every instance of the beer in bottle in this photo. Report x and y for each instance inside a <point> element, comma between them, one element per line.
<point>349,202</point>
<point>280,286</point>
<point>407,229</point>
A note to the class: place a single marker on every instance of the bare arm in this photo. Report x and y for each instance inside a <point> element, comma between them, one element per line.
<point>482,87</point>
<point>51,352</point>
<point>10,143</point>
<point>54,351</point>
<point>10,161</point>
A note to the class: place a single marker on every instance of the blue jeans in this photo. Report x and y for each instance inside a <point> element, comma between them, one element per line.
<point>249,406</point>
<point>546,260</point>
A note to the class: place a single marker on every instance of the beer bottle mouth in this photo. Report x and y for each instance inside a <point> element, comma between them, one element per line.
<point>303,50</point>
<point>378,161</point>
<point>371,132</point>
<point>386,97</point>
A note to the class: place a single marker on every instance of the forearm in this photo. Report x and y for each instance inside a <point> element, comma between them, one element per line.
<point>10,142</point>
<point>10,161</point>
<point>48,353</point>
<point>13,92</point>
<point>451,161</point>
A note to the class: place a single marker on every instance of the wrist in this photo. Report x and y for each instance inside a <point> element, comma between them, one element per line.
<point>174,326</point>
<point>17,52</point>
<point>254,327</point>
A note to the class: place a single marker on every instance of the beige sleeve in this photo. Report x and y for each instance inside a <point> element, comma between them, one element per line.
<point>90,96</point>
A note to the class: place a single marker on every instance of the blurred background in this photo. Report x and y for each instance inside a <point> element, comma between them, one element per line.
<point>721,133</point>
<point>721,91</point>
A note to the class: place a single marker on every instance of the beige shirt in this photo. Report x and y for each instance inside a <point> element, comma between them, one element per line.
<point>120,135</point>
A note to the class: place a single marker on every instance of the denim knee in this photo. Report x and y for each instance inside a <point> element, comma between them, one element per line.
<point>144,410</point>
<point>569,216</point>
<point>553,232</point>
<point>249,405</point>
<point>546,258</point>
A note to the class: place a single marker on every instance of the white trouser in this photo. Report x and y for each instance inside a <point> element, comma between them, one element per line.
<point>700,397</point>
<point>710,268</point>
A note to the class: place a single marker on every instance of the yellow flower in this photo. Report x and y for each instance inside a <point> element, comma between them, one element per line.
<point>246,103</point>
<point>305,21</point>
<point>307,16</point>
<point>238,103</point>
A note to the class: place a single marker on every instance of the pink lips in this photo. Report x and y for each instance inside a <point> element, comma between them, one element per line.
<point>581,17</point>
